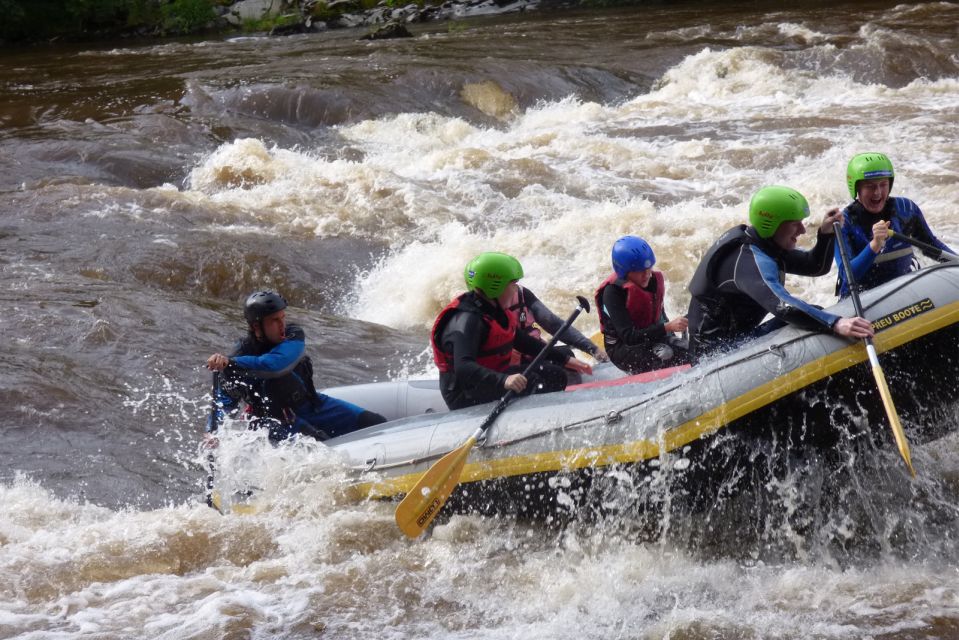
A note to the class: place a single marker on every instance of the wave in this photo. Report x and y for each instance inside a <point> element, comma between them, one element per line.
<point>870,564</point>
<point>559,181</point>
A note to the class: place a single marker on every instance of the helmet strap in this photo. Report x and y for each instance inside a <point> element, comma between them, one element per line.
<point>256,328</point>
<point>482,294</point>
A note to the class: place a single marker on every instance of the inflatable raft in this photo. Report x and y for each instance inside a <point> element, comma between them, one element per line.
<point>790,391</point>
<point>404,398</point>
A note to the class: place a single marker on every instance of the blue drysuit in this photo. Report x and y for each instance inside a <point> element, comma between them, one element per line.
<point>896,258</point>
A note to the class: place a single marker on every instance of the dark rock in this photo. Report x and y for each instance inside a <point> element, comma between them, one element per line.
<point>343,5</point>
<point>346,21</point>
<point>302,26</point>
<point>429,13</point>
<point>388,30</point>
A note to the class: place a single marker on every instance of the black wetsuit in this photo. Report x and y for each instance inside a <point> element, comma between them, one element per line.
<point>469,383</point>
<point>740,280</point>
<point>636,349</point>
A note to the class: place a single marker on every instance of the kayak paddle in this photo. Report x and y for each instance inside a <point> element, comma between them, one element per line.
<point>934,252</point>
<point>213,497</point>
<point>598,339</point>
<point>877,372</point>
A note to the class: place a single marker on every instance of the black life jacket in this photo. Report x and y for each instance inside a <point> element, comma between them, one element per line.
<point>712,315</point>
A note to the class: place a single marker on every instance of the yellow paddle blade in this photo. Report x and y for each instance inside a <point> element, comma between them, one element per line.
<point>241,507</point>
<point>598,340</point>
<point>424,501</point>
<point>244,509</point>
<point>216,501</point>
<point>897,431</point>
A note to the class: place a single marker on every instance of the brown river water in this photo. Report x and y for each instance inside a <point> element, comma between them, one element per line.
<point>147,187</point>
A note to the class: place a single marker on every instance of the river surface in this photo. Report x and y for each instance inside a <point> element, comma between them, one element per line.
<point>146,188</point>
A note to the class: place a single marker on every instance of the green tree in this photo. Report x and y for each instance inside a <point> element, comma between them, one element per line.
<point>28,20</point>
<point>186,16</point>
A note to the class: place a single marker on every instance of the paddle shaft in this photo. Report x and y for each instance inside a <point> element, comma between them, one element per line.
<point>877,371</point>
<point>934,252</point>
<point>850,279</point>
<point>505,400</point>
<point>214,425</point>
<point>214,406</point>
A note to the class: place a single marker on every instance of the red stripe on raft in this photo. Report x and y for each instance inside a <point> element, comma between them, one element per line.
<point>639,378</point>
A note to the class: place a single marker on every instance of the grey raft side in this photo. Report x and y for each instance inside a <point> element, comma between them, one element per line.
<point>629,413</point>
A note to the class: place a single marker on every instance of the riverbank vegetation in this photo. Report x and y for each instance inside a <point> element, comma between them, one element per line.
<point>39,20</point>
<point>36,21</point>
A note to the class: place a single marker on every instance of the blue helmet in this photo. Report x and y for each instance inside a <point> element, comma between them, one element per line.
<point>632,254</point>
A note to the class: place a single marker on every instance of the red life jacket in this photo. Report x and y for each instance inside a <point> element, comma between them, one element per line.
<point>644,307</point>
<point>493,354</point>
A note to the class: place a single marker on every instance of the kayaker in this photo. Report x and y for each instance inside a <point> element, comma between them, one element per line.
<point>474,335</point>
<point>271,374</point>
<point>639,337</point>
<point>741,278</point>
<point>875,258</point>
<point>532,314</point>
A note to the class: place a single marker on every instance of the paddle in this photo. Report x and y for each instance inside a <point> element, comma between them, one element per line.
<point>424,501</point>
<point>934,252</point>
<point>212,499</point>
<point>598,339</point>
<point>877,372</point>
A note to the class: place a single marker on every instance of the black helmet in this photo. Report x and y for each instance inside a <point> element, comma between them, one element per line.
<point>261,304</point>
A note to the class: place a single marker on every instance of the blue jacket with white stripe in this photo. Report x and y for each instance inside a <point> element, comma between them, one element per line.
<point>896,258</point>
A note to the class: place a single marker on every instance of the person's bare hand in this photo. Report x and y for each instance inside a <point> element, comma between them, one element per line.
<point>601,356</point>
<point>217,362</point>
<point>853,328</point>
<point>677,325</point>
<point>833,218</point>
<point>578,365</point>
<point>880,233</point>
<point>515,383</point>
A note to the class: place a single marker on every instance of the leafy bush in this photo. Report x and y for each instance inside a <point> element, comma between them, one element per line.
<point>270,22</point>
<point>11,26</point>
<point>29,20</point>
<point>185,16</point>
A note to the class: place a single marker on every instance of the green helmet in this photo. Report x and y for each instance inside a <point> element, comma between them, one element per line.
<point>492,272</point>
<point>771,206</point>
<point>866,166</point>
